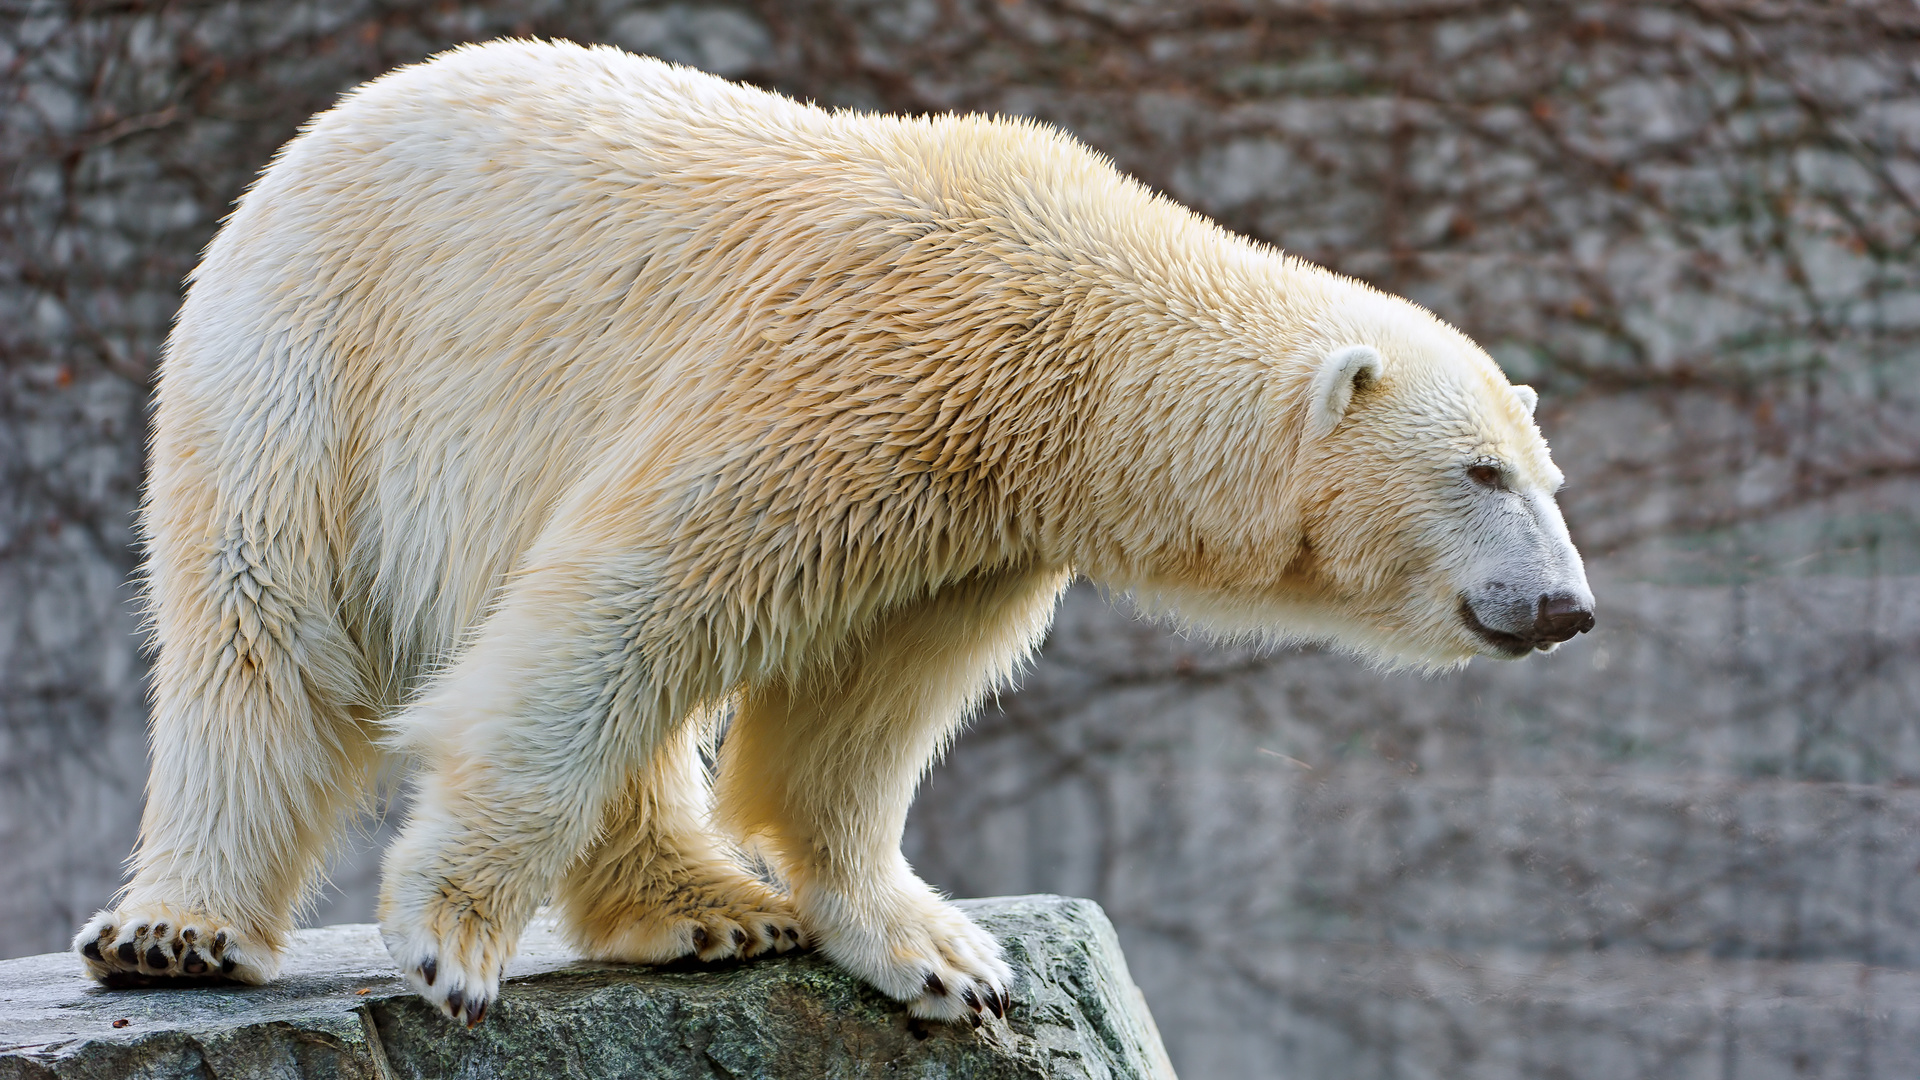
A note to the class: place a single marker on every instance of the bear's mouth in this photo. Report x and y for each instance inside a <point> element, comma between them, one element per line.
<point>1511,645</point>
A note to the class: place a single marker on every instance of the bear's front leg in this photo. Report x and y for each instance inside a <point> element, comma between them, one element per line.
<point>527,740</point>
<point>822,767</point>
<point>458,887</point>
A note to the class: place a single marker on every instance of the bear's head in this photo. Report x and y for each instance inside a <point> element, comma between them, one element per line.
<point>1385,490</point>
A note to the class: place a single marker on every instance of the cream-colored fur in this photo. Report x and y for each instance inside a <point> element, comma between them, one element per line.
<point>541,407</point>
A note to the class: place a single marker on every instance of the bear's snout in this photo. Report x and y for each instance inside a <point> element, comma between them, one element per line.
<point>1516,629</point>
<point>1560,617</point>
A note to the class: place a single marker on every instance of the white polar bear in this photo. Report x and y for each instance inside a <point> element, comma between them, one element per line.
<point>543,407</point>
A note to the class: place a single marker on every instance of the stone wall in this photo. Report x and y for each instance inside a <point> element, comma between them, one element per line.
<point>1684,845</point>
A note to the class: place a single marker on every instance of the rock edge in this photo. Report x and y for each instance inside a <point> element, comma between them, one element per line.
<point>340,1010</point>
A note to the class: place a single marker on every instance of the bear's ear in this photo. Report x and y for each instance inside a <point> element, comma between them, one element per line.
<point>1341,373</point>
<point>1528,399</point>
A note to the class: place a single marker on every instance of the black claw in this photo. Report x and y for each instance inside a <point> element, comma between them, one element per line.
<point>91,950</point>
<point>998,1006</point>
<point>699,938</point>
<point>966,995</point>
<point>794,934</point>
<point>227,965</point>
<point>194,965</point>
<point>429,970</point>
<point>456,1003</point>
<point>1006,1000</point>
<point>934,985</point>
<point>159,929</point>
<point>974,1018</point>
<point>156,958</point>
<point>127,954</point>
<point>219,943</point>
<point>476,1011</point>
<point>739,938</point>
<point>189,935</point>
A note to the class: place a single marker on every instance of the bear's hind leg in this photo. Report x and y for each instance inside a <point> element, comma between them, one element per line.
<point>656,884</point>
<point>822,769</point>
<point>254,766</point>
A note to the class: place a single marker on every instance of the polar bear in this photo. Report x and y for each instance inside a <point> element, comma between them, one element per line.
<point>542,409</point>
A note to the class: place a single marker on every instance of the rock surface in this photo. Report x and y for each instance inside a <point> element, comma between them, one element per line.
<point>340,1010</point>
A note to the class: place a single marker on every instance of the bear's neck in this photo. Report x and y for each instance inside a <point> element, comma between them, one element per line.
<point>1156,449</point>
<point>963,392</point>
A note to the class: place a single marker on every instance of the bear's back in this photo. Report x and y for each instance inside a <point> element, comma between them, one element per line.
<point>465,286</point>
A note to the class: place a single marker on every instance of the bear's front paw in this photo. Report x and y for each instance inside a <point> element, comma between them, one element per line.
<point>456,971</point>
<point>928,954</point>
<point>157,945</point>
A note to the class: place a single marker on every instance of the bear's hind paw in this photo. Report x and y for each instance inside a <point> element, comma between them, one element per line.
<point>149,945</point>
<point>719,915</point>
<point>714,935</point>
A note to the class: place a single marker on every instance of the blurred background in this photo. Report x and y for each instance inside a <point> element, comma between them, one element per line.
<point>1685,845</point>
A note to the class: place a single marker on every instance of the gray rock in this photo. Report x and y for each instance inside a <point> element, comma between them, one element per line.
<point>340,1010</point>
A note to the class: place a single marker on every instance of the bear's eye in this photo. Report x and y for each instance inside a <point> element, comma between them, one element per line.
<point>1487,476</point>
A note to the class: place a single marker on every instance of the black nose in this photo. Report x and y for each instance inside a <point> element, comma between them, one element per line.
<point>1561,617</point>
